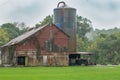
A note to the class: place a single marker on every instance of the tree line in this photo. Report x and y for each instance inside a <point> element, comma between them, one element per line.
<point>103,43</point>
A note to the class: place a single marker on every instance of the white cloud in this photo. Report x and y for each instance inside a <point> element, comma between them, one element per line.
<point>103,13</point>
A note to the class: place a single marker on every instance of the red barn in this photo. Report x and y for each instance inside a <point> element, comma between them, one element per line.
<point>47,45</point>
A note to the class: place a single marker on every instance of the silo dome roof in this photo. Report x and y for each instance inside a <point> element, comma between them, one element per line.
<point>63,6</point>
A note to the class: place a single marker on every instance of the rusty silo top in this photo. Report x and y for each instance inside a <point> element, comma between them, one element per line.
<point>61,3</point>
<point>64,5</point>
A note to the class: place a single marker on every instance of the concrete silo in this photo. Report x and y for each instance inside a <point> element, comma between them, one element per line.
<point>65,19</point>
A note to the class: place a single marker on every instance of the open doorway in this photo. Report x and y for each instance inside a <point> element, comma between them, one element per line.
<point>21,60</point>
<point>73,59</point>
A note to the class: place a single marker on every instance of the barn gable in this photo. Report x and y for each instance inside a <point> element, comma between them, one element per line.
<point>29,34</point>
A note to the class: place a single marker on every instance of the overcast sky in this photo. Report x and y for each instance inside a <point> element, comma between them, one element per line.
<point>104,14</point>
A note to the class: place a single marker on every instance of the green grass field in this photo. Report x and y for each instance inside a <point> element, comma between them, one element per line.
<point>61,73</point>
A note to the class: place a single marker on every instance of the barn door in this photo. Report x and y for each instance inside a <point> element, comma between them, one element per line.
<point>44,60</point>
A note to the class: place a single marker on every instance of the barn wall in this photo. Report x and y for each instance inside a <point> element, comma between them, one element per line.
<point>26,45</point>
<point>55,59</point>
<point>4,57</point>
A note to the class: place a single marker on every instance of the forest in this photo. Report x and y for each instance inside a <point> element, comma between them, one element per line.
<point>103,43</point>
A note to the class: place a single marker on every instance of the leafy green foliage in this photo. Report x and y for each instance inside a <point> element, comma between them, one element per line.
<point>82,45</point>
<point>3,37</point>
<point>107,48</point>
<point>11,29</point>
<point>83,27</point>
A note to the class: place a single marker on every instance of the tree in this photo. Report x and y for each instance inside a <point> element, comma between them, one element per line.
<point>46,20</point>
<point>83,26</point>
<point>80,44</point>
<point>11,29</point>
<point>14,29</point>
<point>3,37</point>
<point>22,27</point>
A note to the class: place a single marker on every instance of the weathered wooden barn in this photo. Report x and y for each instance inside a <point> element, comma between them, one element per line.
<point>47,45</point>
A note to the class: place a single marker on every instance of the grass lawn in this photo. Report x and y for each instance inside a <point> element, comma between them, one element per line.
<point>61,73</point>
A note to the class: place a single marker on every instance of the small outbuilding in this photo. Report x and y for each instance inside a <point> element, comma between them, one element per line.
<point>81,58</point>
<point>47,45</point>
